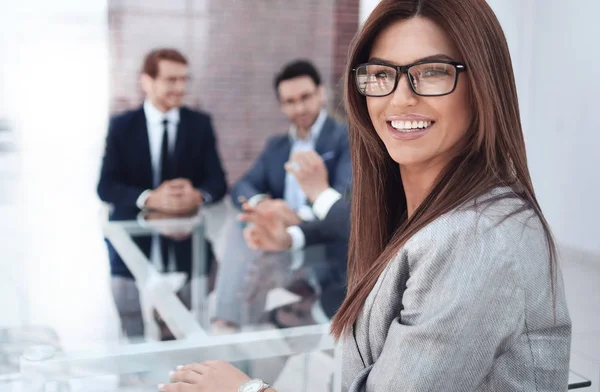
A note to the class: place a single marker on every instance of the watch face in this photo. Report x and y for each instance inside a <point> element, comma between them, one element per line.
<point>253,386</point>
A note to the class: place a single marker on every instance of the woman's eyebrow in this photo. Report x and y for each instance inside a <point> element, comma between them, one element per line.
<point>433,57</point>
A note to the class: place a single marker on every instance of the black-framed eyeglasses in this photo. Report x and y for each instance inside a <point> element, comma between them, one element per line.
<point>427,78</point>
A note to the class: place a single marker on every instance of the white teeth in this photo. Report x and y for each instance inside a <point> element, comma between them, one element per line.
<point>407,126</point>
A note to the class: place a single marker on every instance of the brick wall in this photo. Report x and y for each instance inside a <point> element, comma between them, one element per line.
<point>346,25</point>
<point>235,48</point>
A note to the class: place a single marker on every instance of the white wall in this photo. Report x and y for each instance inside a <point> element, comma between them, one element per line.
<point>555,53</point>
<point>556,57</point>
<point>366,6</point>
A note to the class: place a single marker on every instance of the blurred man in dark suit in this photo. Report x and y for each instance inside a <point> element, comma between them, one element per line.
<point>161,157</point>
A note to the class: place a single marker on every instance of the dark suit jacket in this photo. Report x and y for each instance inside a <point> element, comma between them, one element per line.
<point>267,175</point>
<point>335,227</point>
<point>127,171</point>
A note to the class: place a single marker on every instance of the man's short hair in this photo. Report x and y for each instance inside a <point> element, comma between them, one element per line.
<point>150,66</point>
<point>296,69</point>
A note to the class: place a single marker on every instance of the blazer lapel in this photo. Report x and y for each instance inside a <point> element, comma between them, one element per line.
<point>143,143</point>
<point>183,133</point>
<point>280,157</point>
<point>360,332</point>
<point>326,137</point>
<point>326,147</point>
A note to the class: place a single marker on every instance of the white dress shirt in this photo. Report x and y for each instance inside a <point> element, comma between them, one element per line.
<point>293,194</point>
<point>154,123</point>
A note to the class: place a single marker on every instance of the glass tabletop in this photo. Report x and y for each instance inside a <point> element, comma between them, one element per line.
<point>133,243</point>
<point>279,305</point>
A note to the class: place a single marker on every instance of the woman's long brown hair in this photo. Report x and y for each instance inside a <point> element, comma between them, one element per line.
<point>494,153</point>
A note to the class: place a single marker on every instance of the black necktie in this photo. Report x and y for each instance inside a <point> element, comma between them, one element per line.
<point>165,159</point>
<point>165,174</point>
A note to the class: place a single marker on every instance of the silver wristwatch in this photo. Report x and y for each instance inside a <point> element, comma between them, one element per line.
<point>255,385</point>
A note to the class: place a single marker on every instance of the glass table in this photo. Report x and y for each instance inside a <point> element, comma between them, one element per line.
<point>281,304</point>
<point>156,287</point>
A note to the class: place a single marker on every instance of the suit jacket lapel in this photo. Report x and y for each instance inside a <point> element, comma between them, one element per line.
<point>325,140</point>
<point>142,141</point>
<point>183,130</point>
<point>281,156</point>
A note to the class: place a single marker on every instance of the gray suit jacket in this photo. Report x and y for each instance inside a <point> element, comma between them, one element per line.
<point>466,305</point>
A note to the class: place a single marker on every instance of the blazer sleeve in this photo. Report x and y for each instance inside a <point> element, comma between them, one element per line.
<point>343,172</point>
<point>462,307</point>
<point>112,187</point>
<point>335,227</point>
<point>255,180</point>
<point>214,182</point>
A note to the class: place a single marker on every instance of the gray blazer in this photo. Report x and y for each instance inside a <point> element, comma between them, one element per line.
<point>465,305</point>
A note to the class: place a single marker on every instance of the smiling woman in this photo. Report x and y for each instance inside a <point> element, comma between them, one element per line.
<point>452,271</point>
<point>453,283</point>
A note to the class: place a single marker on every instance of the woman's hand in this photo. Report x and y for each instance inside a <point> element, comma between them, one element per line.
<point>209,376</point>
